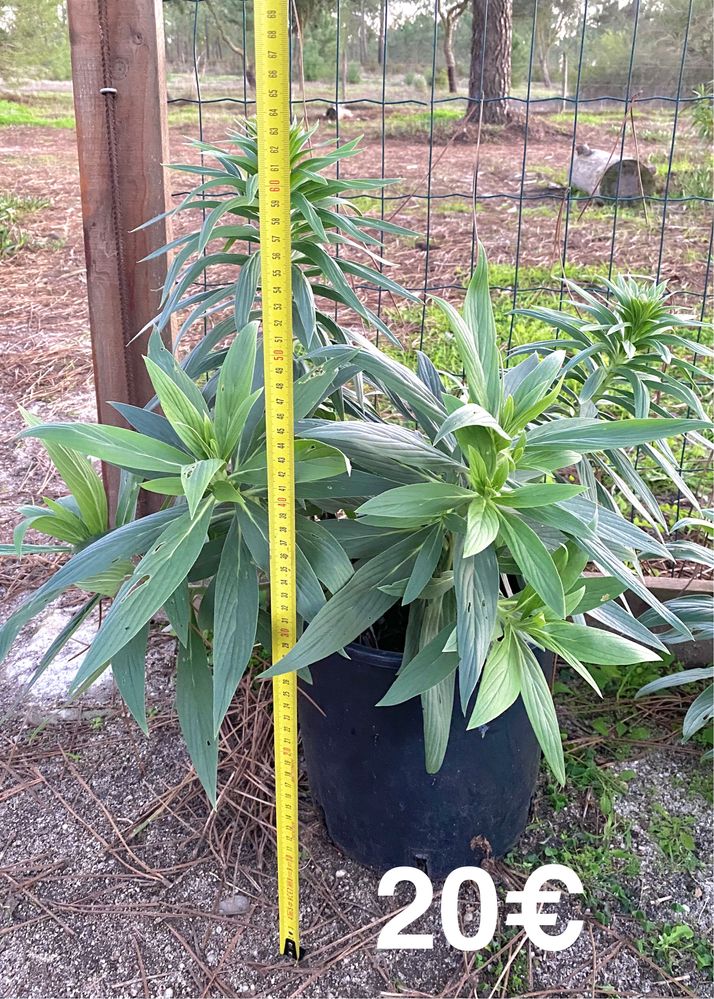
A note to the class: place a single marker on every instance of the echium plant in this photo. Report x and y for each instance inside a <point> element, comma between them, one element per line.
<point>476,526</point>
<point>324,216</point>
<point>200,444</point>
<point>628,356</point>
<point>204,556</point>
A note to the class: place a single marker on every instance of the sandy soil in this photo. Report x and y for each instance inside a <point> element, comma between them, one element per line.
<point>112,871</point>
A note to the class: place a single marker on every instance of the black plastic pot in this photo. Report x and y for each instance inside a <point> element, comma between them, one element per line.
<point>365,769</point>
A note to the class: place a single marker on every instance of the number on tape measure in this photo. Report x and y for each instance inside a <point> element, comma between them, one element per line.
<point>273,111</point>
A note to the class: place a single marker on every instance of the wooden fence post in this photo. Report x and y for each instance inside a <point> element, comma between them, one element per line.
<point>122,137</point>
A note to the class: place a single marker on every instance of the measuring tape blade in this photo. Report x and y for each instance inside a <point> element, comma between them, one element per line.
<point>272,87</point>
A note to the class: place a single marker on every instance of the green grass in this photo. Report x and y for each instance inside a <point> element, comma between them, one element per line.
<point>14,209</point>
<point>418,124</point>
<point>12,113</point>
<point>438,341</point>
<point>674,834</point>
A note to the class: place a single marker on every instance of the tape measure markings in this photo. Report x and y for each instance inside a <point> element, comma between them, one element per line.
<point>273,112</point>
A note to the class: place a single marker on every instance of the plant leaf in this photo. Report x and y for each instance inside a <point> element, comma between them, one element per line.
<point>482,526</point>
<point>352,609</point>
<point>476,586</point>
<point>541,711</point>
<point>425,565</point>
<point>118,446</point>
<point>194,705</point>
<point>128,669</point>
<point>234,389</point>
<point>195,479</point>
<point>153,581</point>
<point>427,668</point>
<point>235,621</point>
<point>534,561</point>
<point>500,681</point>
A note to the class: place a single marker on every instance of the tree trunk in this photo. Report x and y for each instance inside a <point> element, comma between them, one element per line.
<point>544,68</point>
<point>382,28</point>
<point>449,58</point>
<point>490,75</point>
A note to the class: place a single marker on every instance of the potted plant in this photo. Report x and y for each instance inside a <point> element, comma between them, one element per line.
<point>457,548</point>
<point>469,561</point>
<point>202,559</point>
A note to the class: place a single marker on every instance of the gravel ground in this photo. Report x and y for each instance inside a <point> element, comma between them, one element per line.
<point>105,894</point>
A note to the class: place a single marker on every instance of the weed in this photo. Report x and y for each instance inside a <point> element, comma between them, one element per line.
<point>674,945</point>
<point>674,836</point>
<point>13,209</point>
<point>702,784</point>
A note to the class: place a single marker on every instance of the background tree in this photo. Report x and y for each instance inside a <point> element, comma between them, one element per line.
<point>490,74</point>
<point>449,15</point>
<point>33,40</point>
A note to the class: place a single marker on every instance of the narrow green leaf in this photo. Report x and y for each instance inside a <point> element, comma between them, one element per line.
<point>178,611</point>
<point>188,422</point>
<point>476,585</point>
<point>194,705</point>
<point>118,446</point>
<point>482,526</point>
<point>500,681</point>
<point>534,561</point>
<point>324,553</point>
<point>598,591</point>
<point>426,669</point>
<point>235,382</point>
<point>699,714</point>
<point>234,621</point>
<point>470,415</point>
<point>101,556</point>
<point>425,565</point>
<point>81,479</point>
<point>592,645</point>
<point>195,479</point>
<point>585,435</point>
<point>468,351</point>
<point>128,669</point>
<point>537,495</point>
<point>246,288</point>
<point>478,314</point>
<point>541,711</point>
<point>352,609</point>
<point>154,580</point>
<point>421,500</point>
<point>437,706</point>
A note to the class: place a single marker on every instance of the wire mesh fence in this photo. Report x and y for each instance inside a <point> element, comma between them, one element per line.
<point>588,156</point>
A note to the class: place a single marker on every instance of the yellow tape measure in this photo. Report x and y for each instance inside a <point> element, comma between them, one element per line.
<point>272,87</point>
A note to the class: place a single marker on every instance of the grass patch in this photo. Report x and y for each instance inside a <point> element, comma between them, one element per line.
<point>537,285</point>
<point>14,209</point>
<point>418,124</point>
<point>46,115</point>
<point>674,835</point>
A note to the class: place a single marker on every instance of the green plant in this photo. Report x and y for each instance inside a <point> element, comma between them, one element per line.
<point>354,73</point>
<point>228,241</point>
<point>674,834</point>
<point>203,556</point>
<point>703,111</point>
<point>701,710</point>
<point>474,524</point>
<point>13,209</point>
<point>630,356</point>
